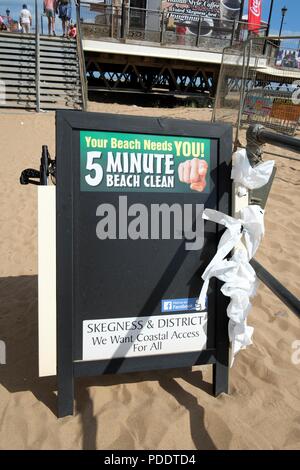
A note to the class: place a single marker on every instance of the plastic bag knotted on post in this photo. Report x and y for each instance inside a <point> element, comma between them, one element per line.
<point>252,219</point>
<point>246,175</point>
<point>237,274</point>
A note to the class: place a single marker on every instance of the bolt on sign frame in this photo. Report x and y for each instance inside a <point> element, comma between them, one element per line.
<point>133,290</point>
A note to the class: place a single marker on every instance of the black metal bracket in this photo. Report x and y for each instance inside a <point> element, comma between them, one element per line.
<point>40,177</point>
<point>28,174</point>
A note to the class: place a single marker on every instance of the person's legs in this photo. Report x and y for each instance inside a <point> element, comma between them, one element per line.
<point>49,23</point>
<point>63,22</point>
<point>53,24</point>
<point>25,28</point>
<point>67,26</point>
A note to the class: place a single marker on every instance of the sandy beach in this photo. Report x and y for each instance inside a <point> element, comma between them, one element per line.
<point>159,410</point>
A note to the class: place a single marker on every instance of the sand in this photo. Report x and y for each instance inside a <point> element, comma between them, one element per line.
<point>158,410</point>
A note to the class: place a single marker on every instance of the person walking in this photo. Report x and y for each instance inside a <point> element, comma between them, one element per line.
<point>8,20</point>
<point>64,13</point>
<point>25,19</point>
<point>49,10</point>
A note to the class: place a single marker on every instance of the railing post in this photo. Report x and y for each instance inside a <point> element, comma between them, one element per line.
<point>111,17</point>
<point>163,27</point>
<point>233,31</point>
<point>246,64</point>
<point>123,20</point>
<point>81,59</point>
<point>199,31</point>
<point>265,42</point>
<point>127,22</point>
<point>37,59</point>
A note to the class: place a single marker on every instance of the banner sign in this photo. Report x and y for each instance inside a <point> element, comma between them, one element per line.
<point>142,336</point>
<point>287,58</point>
<point>191,10</point>
<point>132,245</point>
<point>254,14</point>
<point>141,162</point>
<point>258,105</point>
<point>285,110</point>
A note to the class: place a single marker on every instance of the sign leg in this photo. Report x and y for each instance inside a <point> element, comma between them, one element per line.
<point>65,395</point>
<point>221,367</point>
<point>221,376</point>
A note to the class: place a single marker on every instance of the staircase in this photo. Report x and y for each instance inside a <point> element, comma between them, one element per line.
<point>55,61</point>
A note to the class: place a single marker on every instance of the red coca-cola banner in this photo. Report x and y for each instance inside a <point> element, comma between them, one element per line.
<point>254,14</point>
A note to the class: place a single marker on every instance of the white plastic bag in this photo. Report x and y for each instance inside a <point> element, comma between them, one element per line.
<point>243,173</point>
<point>243,236</point>
<point>237,274</point>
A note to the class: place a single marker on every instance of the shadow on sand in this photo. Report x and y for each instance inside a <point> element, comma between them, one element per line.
<point>19,330</point>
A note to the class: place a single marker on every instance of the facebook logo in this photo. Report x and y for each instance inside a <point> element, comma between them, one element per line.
<point>178,305</point>
<point>167,307</point>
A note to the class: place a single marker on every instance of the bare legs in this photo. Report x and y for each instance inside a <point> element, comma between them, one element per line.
<point>65,27</point>
<point>51,25</point>
<point>25,28</point>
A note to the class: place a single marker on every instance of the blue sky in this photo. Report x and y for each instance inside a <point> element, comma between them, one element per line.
<point>292,21</point>
<point>16,5</point>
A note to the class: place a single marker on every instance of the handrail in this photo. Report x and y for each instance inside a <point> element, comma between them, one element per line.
<point>235,30</point>
<point>257,135</point>
<point>37,59</point>
<point>289,299</point>
<point>103,7</point>
<point>81,59</point>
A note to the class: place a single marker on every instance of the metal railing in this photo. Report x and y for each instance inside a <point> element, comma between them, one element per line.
<point>252,90</point>
<point>125,23</point>
<point>257,136</point>
<point>37,61</point>
<point>287,297</point>
<point>39,19</point>
<point>81,60</point>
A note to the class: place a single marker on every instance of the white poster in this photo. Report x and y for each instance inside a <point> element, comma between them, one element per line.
<point>144,336</point>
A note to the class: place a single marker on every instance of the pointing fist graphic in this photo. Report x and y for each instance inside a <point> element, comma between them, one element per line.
<point>193,172</point>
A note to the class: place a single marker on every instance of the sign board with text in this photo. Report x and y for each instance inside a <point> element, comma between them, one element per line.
<point>193,9</point>
<point>132,245</point>
<point>207,18</point>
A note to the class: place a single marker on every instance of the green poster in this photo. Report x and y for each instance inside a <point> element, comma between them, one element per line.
<point>112,161</point>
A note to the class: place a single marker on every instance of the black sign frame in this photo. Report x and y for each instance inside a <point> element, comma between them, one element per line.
<point>68,122</point>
